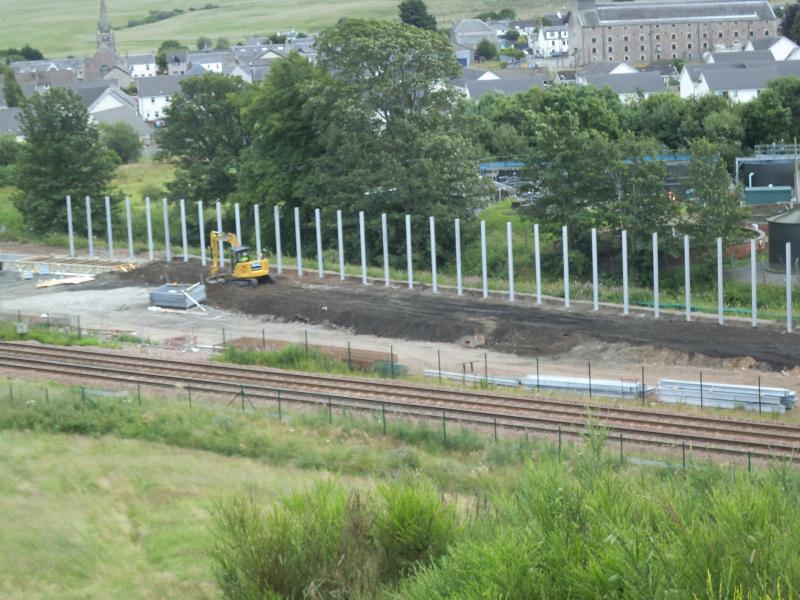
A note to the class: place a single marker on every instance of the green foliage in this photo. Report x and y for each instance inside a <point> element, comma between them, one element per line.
<point>46,335</point>
<point>26,52</point>
<point>167,46</point>
<point>291,357</point>
<point>12,92</point>
<point>512,35</point>
<point>123,140</point>
<point>790,23</point>
<point>504,14</point>
<point>9,153</point>
<point>485,50</point>
<point>204,42</point>
<point>415,13</point>
<point>205,137</point>
<point>154,16</point>
<point>766,119</point>
<point>62,156</point>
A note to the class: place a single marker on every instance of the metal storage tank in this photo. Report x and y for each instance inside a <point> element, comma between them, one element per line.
<point>783,228</point>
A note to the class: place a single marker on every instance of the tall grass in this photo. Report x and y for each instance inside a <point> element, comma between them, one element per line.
<point>293,357</point>
<point>48,335</point>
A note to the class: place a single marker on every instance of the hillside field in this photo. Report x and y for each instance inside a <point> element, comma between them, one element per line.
<point>68,27</point>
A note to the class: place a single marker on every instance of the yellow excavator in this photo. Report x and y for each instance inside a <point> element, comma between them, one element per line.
<point>244,270</point>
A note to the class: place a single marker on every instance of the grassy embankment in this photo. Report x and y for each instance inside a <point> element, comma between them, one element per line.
<point>59,33</point>
<point>124,509</point>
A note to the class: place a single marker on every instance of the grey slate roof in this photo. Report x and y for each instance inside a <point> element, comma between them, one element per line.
<point>739,79</point>
<point>204,58</point>
<point>629,83</point>
<point>507,87</point>
<point>743,57</point>
<point>124,114</point>
<point>472,26</point>
<point>141,59</point>
<point>9,120</point>
<point>163,85</point>
<point>600,67</point>
<point>54,64</point>
<point>663,69</point>
<point>471,74</point>
<point>764,43</point>
<point>648,11</point>
<point>196,70</point>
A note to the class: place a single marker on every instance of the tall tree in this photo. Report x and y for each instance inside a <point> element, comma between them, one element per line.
<point>766,119</point>
<point>486,50</point>
<point>11,88</point>
<point>204,137</point>
<point>161,53</point>
<point>790,24</point>
<point>415,13</point>
<point>62,156</point>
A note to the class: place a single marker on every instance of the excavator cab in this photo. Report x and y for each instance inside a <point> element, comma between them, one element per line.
<point>244,269</point>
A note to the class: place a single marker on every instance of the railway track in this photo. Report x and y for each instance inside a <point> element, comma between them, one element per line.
<point>542,414</point>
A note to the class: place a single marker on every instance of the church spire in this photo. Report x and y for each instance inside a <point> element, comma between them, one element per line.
<point>105,35</point>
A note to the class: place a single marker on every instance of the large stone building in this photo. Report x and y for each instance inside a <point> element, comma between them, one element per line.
<point>646,31</point>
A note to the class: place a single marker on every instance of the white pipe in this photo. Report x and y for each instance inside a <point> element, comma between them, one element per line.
<point>565,250</point>
<point>89,235</point>
<point>484,276</point>
<point>340,240</point>
<point>297,244</point>
<point>363,236</point>
<point>70,232</point>
<point>129,221</point>
<point>278,248</point>
<point>257,225</point>
<point>318,227</point>
<point>788,287</point>
<point>538,263</point>
<point>509,242</point>
<point>165,207</point>
<point>687,278</point>
<point>238,221</point>
<point>625,298</point>
<point>108,229</point>
<point>656,298</point>
<point>595,277</point>
<point>753,286</point>
<point>720,285</point>
<point>184,237</point>
<point>459,286</point>
<point>149,227</point>
<point>220,247</point>
<point>385,241</point>
<point>201,229</point>
<point>409,257</point>
<point>432,224</point>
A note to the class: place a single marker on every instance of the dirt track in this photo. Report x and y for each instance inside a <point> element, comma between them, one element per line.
<point>521,328</point>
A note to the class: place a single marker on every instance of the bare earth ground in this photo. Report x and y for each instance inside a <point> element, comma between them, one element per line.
<point>422,328</point>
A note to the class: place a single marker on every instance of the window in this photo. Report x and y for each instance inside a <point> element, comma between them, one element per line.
<point>674,36</point>
<point>594,40</point>
<point>736,34</point>
<point>641,48</point>
<point>611,58</point>
<point>641,38</point>
<point>766,33</point>
<point>625,38</point>
<point>658,48</point>
<point>752,33</point>
<point>152,99</point>
<point>594,50</point>
<point>674,46</point>
<point>626,49</point>
<point>610,49</point>
<point>658,57</point>
<point>705,45</point>
<point>658,36</point>
<point>689,45</point>
<point>720,35</point>
<point>674,55</point>
<point>609,39</point>
<point>705,35</point>
<point>626,58</point>
<point>689,36</point>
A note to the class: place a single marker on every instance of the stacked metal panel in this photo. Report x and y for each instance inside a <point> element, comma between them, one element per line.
<point>175,295</point>
<point>614,388</point>
<point>721,395</point>
<point>471,378</point>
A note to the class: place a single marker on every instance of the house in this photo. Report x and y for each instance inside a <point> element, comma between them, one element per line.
<point>690,76</point>
<point>743,85</point>
<point>44,80</point>
<point>41,66</point>
<point>754,56</point>
<point>141,65</point>
<point>669,74</point>
<point>471,32</point>
<point>780,47</point>
<point>10,123</point>
<point>234,70</point>
<point>647,31</point>
<point>553,40</point>
<point>155,95</point>
<point>177,62</point>
<point>463,55</point>
<point>107,64</point>
<point>606,68</point>
<point>628,86</point>
<point>507,87</point>
<point>211,61</point>
<point>125,115</point>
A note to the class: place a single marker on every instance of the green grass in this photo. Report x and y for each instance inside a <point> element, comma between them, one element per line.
<point>137,179</point>
<point>48,335</point>
<point>58,31</point>
<point>294,357</point>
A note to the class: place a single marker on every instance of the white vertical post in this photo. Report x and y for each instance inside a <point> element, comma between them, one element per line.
<point>565,251</point>
<point>484,275</point>
<point>788,287</point>
<point>687,278</point>
<point>184,237</point>
<point>201,226</point>
<point>109,233</point>
<point>595,299</point>
<point>409,257</point>
<point>656,298</point>
<point>129,221</point>
<point>318,227</point>
<point>149,218</point>
<point>278,248</point>
<point>510,245</point>
<point>257,224</point>
<point>89,235</point>
<point>238,222</point>
<point>297,244</point>
<point>625,298</point>
<point>70,232</point>
<point>432,223</point>
<point>385,239</point>
<point>363,241</point>
<point>537,263</point>
<point>220,248</point>
<point>459,286</point>
<point>166,229</point>
<point>753,286</point>
<point>340,239</point>
<point>720,284</point>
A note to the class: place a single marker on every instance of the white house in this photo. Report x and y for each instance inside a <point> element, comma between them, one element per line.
<point>780,47</point>
<point>628,86</point>
<point>155,95</point>
<point>754,56</point>
<point>211,61</point>
<point>142,65</point>
<point>553,40</point>
<point>740,85</point>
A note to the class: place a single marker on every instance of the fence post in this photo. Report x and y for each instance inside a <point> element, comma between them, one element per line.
<point>753,286</point>
<point>297,243</point>
<point>749,466</point>
<point>363,241</point>
<point>149,217</point>
<point>129,222</point>
<point>643,385</point>
<point>720,285</point>
<point>510,244</point>
<point>439,361</point>
<point>701,390</point>
<point>330,411</point>
<point>46,395</point>
<point>79,326</point>
<point>656,299</point>
<point>83,394</point>
<point>484,276</point>
<point>189,393</point>
<point>788,287</point>
<point>495,430</point>
<point>432,226</point>
<point>565,251</point>
<point>621,455</point>
<point>201,226</point>
<point>89,236</point>
<point>184,236</point>
<point>280,412</point>
<point>391,359</point>
<point>486,367</point>
<point>538,388</point>
<point>385,243</point>
<point>237,222</point>
<point>687,278</point>
<point>278,250</point>
<point>595,277</point>
<point>220,247</point>
<point>537,263</point>
<point>305,338</point>
<point>318,227</point>
<point>223,338</point>
<point>559,442</point>
<point>167,243</point>
<point>683,453</point>
<point>109,231</point>
<point>459,285</point>
<point>590,377</point>
<point>383,416</point>
<point>340,241</point>
<point>263,341</point>
<point>759,394</point>
<point>70,232</point>
<point>11,391</point>
<point>139,393</point>
<point>444,427</point>
<point>241,394</point>
<point>409,254</point>
<point>625,298</point>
